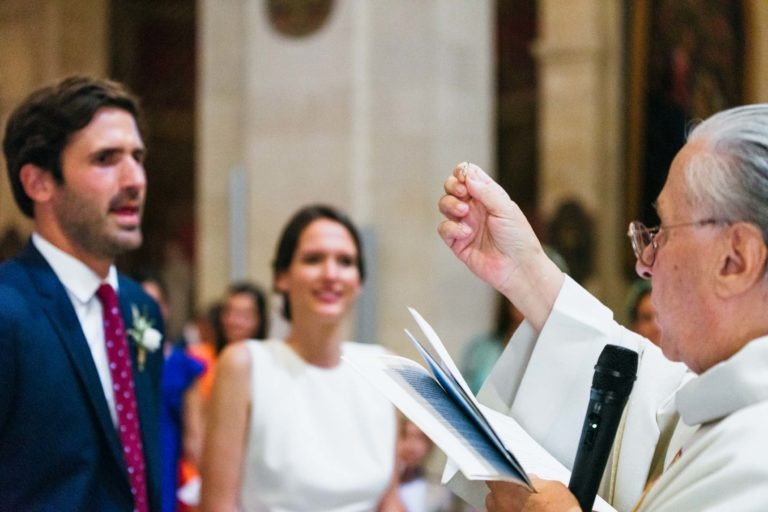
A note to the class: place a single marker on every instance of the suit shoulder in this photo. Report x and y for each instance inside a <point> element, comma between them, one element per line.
<point>11,272</point>
<point>14,289</point>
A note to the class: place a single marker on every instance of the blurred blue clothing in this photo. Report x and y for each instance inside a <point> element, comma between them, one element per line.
<point>478,357</point>
<point>179,373</point>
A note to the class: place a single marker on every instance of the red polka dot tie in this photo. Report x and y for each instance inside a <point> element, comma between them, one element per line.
<point>125,397</point>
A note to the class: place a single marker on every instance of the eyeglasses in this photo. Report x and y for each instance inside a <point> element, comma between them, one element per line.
<point>643,237</point>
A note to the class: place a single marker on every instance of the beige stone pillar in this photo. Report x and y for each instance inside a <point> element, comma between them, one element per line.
<point>580,130</point>
<point>40,42</point>
<point>757,51</point>
<point>370,113</point>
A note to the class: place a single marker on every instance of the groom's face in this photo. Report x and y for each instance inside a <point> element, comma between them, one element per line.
<point>99,204</point>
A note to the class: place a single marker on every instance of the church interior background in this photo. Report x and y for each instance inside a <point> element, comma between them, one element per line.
<point>255,107</point>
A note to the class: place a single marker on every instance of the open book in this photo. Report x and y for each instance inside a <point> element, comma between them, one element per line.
<point>483,443</point>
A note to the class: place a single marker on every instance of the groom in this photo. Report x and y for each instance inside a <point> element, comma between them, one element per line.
<point>79,369</point>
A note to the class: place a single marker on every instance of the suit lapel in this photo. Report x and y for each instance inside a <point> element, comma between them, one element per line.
<point>146,388</point>
<point>141,376</point>
<point>57,307</point>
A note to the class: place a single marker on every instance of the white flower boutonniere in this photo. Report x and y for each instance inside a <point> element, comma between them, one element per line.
<point>146,337</point>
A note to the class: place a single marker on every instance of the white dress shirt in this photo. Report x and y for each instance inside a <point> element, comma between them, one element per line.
<point>81,284</point>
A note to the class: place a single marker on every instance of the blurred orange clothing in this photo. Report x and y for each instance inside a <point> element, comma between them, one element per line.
<point>206,352</point>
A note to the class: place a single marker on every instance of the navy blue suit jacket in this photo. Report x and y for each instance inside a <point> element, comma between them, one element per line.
<point>59,449</point>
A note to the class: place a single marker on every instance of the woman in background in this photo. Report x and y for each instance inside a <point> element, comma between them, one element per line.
<point>241,315</point>
<point>181,422</point>
<point>292,426</point>
<point>483,350</point>
<point>641,311</point>
<point>419,491</point>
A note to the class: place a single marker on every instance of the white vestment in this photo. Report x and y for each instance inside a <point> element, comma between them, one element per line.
<point>543,381</point>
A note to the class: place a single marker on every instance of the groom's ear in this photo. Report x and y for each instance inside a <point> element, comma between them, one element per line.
<point>37,183</point>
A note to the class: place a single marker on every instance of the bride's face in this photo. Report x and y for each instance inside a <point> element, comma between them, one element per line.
<point>323,278</point>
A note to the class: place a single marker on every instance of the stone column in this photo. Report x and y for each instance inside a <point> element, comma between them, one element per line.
<point>757,51</point>
<point>40,42</point>
<point>579,55</point>
<point>370,113</point>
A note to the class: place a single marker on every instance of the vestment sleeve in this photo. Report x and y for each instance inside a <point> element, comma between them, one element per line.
<point>543,380</point>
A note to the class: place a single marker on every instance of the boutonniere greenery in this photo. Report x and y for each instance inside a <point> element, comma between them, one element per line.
<point>146,337</point>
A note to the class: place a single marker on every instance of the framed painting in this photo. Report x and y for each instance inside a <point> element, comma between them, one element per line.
<point>686,60</point>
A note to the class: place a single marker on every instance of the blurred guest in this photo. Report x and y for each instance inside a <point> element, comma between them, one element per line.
<point>418,491</point>
<point>292,426</point>
<point>483,350</point>
<point>641,311</point>
<point>181,420</point>
<point>241,315</point>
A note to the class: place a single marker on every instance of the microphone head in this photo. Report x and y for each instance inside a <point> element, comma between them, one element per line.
<point>616,370</point>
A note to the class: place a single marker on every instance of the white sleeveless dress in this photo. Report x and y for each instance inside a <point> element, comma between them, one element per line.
<point>319,439</point>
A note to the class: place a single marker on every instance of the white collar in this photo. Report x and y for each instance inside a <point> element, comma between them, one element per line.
<point>731,385</point>
<point>76,276</point>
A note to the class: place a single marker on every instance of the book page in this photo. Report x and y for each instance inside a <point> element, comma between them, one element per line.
<point>469,405</point>
<point>414,391</point>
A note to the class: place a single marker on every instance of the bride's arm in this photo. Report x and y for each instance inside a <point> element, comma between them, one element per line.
<point>226,431</point>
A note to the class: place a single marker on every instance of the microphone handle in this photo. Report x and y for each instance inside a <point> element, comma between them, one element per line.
<point>597,434</point>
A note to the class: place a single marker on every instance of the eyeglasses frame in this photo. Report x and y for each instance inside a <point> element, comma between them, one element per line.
<point>636,230</point>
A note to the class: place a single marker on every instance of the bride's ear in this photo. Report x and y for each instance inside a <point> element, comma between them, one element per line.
<point>281,282</point>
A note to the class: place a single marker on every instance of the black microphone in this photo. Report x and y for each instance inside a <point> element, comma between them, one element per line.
<point>615,373</point>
